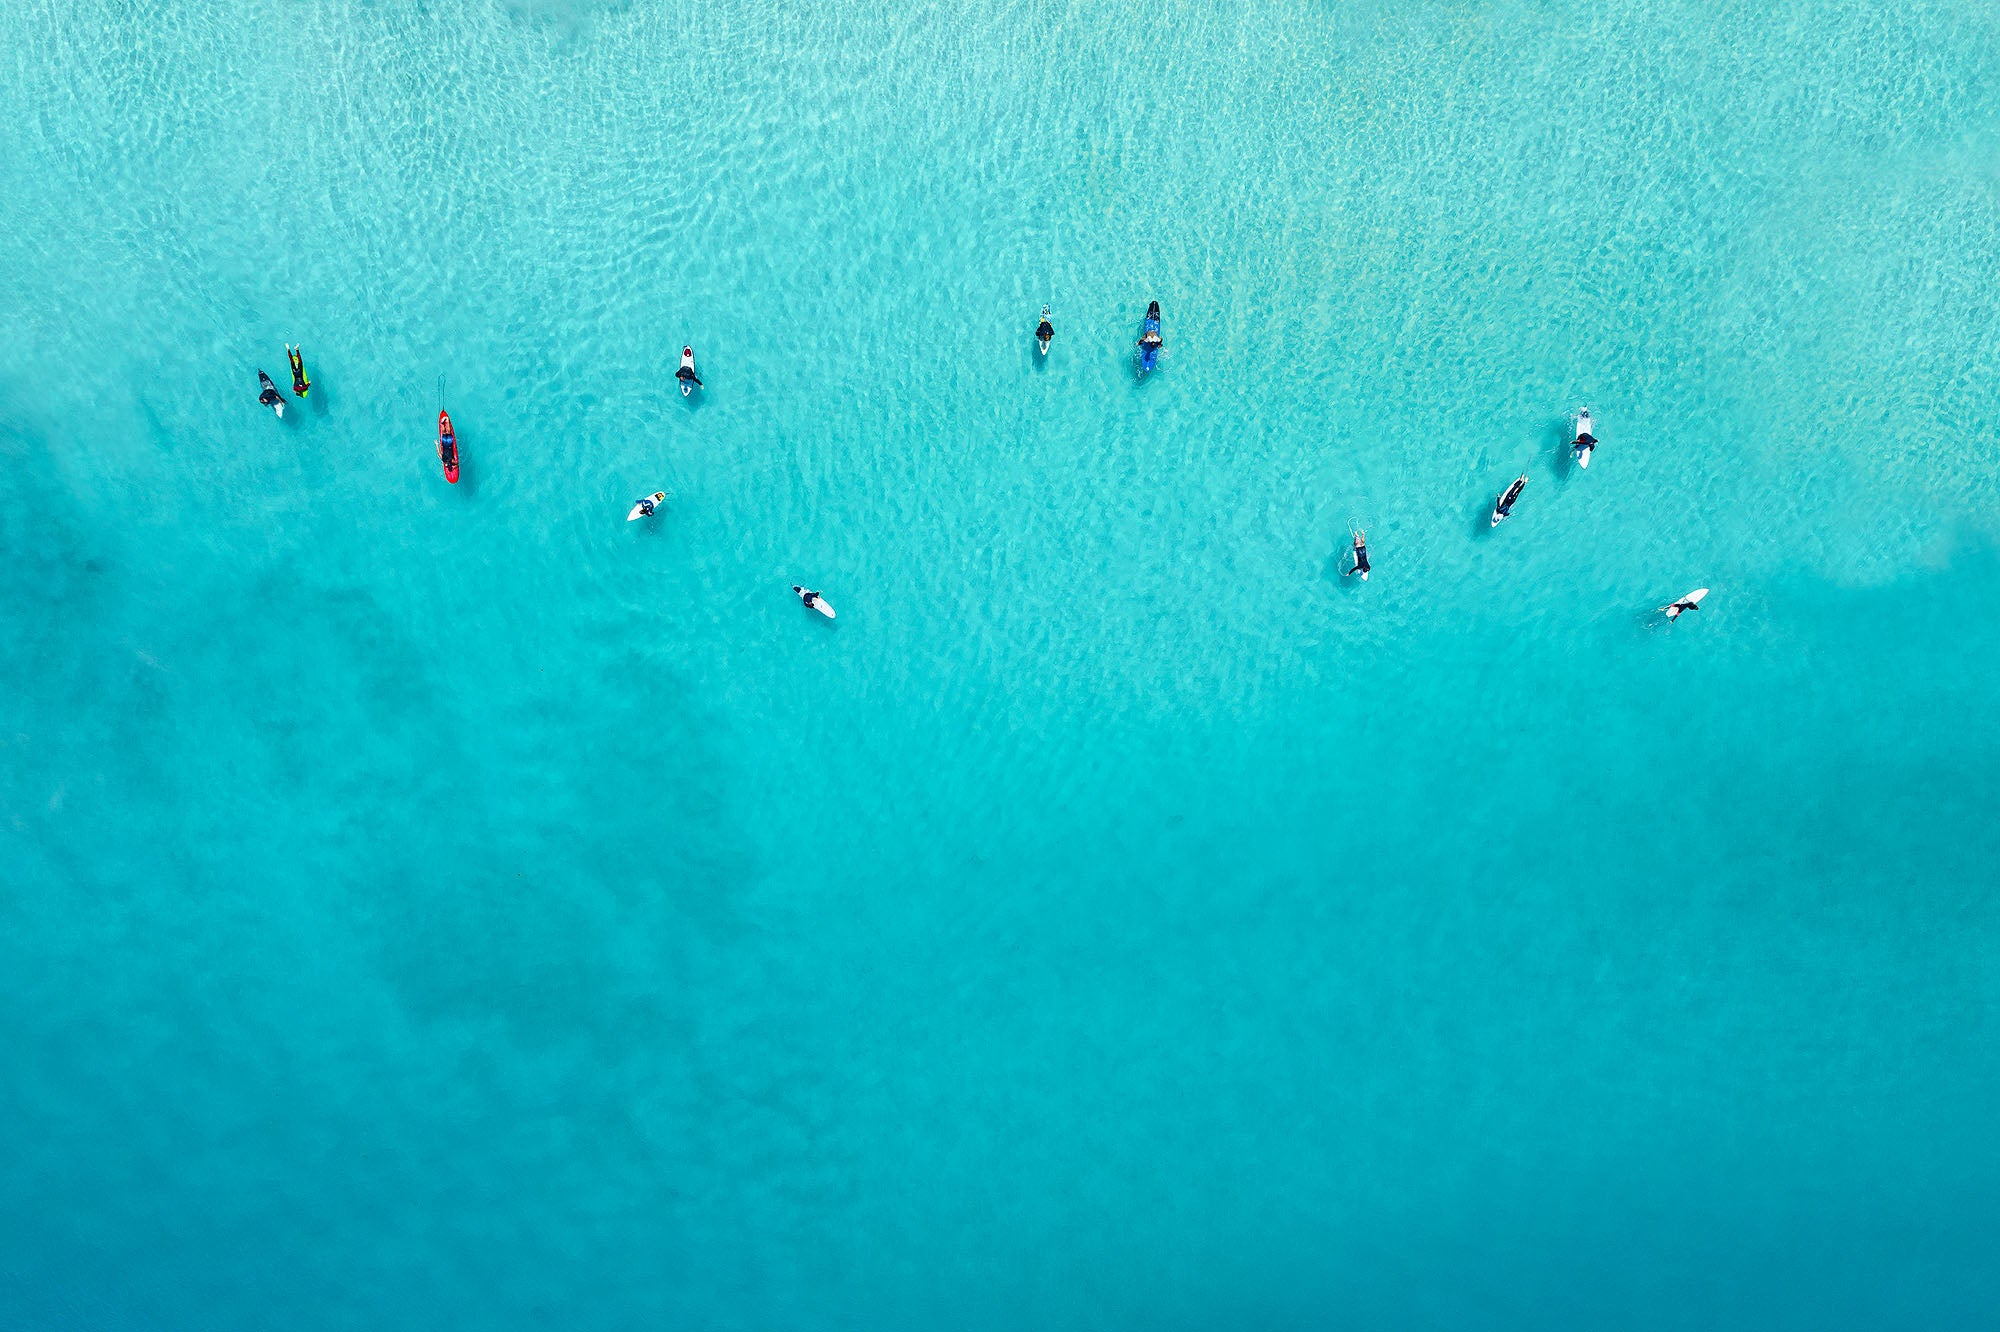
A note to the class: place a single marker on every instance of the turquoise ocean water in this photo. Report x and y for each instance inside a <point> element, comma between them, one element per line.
<point>434,906</point>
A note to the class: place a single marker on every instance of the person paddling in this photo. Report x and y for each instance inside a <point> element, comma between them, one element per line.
<point>1360,556</point>
<point>270,396</point>
<point>1044,331</point>
<point>813,601</point>
<point>300,384</point>
<point>1692,601</point>
<point>1585,442</point>
<point>447,439</point>
<point>690,381</point>
<point>1150,341</point>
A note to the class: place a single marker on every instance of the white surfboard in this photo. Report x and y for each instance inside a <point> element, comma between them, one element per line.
<point>1689,601</point>
<point>687,363</point>
<point>279,408</point>
<point>639,511</point>
<point>818,602</point>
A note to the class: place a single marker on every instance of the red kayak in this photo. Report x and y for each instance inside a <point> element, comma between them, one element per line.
<point>447,447</point>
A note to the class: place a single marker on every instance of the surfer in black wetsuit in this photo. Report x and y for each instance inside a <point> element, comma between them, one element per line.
<point>807,599</point>
<point>1360,556</point>
<point>1674,611</point>
<point>300,384</point>
<point>686,373</point>
<point>1044,330</point>
<point>270,397</point>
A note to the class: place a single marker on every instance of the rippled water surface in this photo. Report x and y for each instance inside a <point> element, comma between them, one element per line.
<point>432,906</point>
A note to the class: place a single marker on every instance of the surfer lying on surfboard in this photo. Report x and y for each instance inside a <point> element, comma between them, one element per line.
<point>690,381</point>
<point>1585,442</point>
<point>1044,331</point>
<point>1360,556</point>
<point>646,507</point>
<point>1150,340</point>
<point>300,384</point>
<point>1692,601</point>
<point>813,601</point>
<point>447,439</point>
<point>270,396</point>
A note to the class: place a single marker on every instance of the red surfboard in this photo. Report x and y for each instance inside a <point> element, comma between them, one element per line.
<point>447,447</point>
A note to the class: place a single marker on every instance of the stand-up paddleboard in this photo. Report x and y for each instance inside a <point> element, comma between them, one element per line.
<point>447,439</point>
<point>1672,610</point>
<point>269,396</point>
<point>1044,331</point>
<point>1503,508</point>
<point>689,380</point>
<point>1585,443</point>
<point>813,601</point>
<point>658,498</point>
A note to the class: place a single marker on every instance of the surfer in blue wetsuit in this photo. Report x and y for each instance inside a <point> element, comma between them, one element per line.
<point>1360,556</point>
<point>1150,341</point>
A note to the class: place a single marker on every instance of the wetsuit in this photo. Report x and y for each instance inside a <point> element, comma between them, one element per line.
<point>1360,561</point>
<point>300,384</point>
<point>687,375</point>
